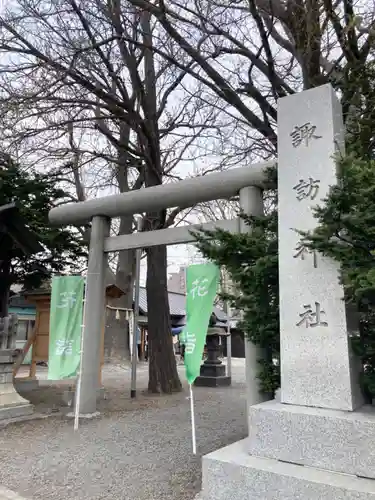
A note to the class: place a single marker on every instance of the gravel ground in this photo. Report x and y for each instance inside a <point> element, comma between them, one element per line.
<point>137,450</point>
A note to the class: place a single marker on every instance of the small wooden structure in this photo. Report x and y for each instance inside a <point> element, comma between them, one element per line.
<point>40,337</point>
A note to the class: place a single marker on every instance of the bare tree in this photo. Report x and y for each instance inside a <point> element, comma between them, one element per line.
<point>216,210</point>
<point>88,70</point>
<point>256,51</point>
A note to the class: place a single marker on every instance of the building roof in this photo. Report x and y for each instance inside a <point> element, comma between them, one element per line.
<point>20,301</point>
<point>177,303</point>
<point>110,282</point>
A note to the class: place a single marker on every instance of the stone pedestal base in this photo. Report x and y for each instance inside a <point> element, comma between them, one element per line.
<point>326,439</point>
<point>12,405</point>
<point>231,473</point>
<point>213,381</point>
<point>212,372</point>
<point>296,452</point>
<point>212,376</point>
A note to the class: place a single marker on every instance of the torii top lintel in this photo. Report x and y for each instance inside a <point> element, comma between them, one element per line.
<point>185,193</point>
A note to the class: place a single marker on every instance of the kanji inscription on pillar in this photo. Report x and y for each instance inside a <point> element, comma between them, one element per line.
<point>312,316</point>
<point>301,251</point>
<point>304,134</point>
<point>308,188</point>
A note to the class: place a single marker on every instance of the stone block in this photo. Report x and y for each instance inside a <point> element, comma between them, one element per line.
<point>317,366</point>
<point>6,378</point>
<point>6,373</point>
<point>220,381</point>
<point>327,439</point>
<point>10,397</point>
<point>8,332</point>
<point>212,370</point>
<point>5,358</point>
<point>6,365</point>
<point>232,474</point>
<point>212,375</point>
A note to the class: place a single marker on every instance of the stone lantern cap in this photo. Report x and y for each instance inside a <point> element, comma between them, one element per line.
<point>216,330</point>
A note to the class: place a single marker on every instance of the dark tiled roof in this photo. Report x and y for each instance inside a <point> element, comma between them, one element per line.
<point>177,303</point>
<point>19,301</point>
<point>110,280</point>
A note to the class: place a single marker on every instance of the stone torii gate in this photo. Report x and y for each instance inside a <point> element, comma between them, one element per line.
<point>316,441</point>
<point>247,182</point>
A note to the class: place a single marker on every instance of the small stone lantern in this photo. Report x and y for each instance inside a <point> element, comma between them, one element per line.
<point>12,405</point>
<point>213,372</point>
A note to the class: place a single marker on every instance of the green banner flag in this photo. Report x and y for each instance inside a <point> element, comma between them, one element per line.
<point>201,286</point>
<point>65,327</point>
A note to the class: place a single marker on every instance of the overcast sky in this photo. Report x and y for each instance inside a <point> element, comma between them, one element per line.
<point>180,255</point>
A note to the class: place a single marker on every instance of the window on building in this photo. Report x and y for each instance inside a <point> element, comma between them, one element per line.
<point>24,328</point>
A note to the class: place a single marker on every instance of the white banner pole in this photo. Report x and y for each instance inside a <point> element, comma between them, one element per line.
<point>134,352</point>
<point>227,311</point>
<point>193,436</point>
<point>78,387</point>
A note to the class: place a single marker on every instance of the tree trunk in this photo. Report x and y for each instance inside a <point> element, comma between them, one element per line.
<point>116,343</point>
<point>304,23</point>
<point>163,375</point>
<point>119,328</point>
<point>4,287</point>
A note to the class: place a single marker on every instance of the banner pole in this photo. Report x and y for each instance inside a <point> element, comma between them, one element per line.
<point>229,344</point>
<point>193,436</point>
<point>79,381</point>
<point>138,255</point>
<point>227,311</point>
